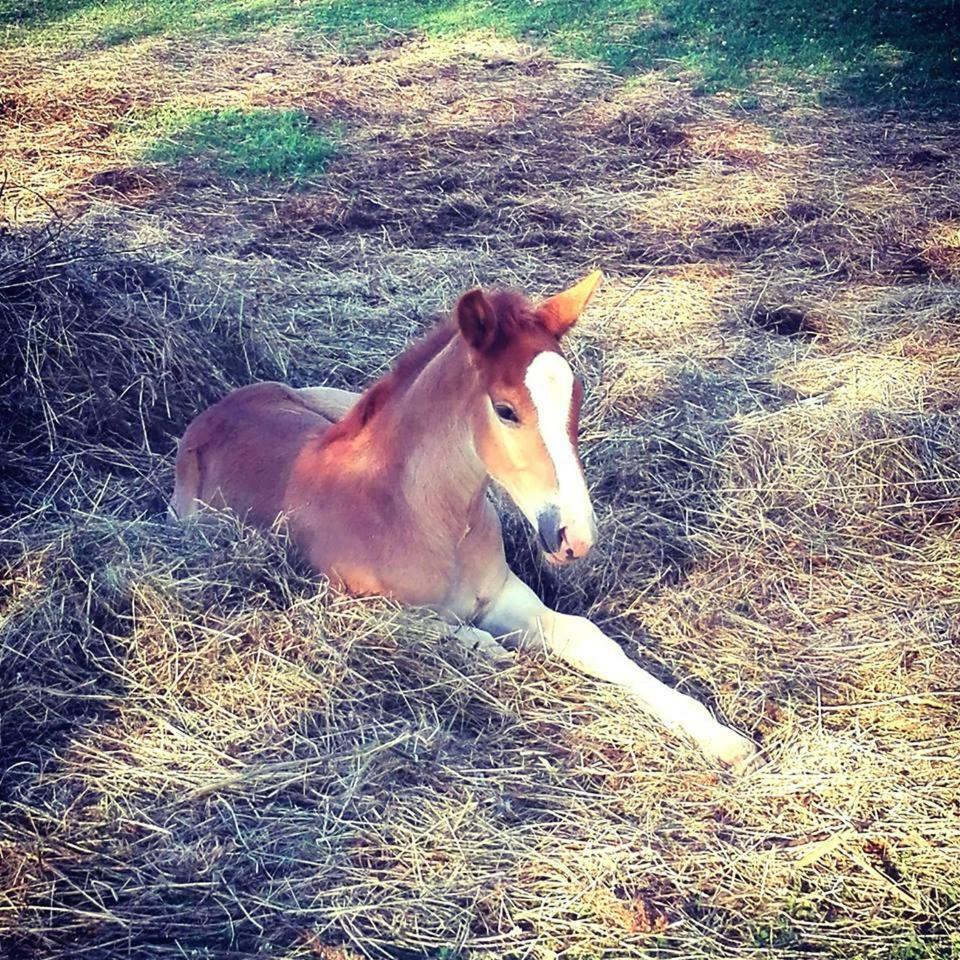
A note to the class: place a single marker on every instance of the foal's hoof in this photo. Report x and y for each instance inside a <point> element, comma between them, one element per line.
<point>499,657</point>
<point>733,750</point>
<point>479,643</point>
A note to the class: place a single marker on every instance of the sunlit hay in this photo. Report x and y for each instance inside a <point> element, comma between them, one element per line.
<point>77,116</point>
<point>86,113</point>
<point>880,197</point>
<point>873,315</point>
<point>812,476</point>
<point>700,200</point>
<point>65,112</point>
<point>462,105</point>
<point>942,247</point>
<point>668,312</point>
<point>632,379</point>
<point>643,112</point>
<point>738,142</point>
<point>888,207</point>
<point>896,345</point>
<point>648,328</point>
<point>854,380</point>
<point>832,531</point>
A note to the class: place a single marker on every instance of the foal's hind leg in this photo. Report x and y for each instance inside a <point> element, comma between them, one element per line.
<point>583,645</point>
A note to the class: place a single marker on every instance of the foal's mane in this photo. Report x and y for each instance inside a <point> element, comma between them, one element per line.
<point>513,313</point>
<point>405,370</point>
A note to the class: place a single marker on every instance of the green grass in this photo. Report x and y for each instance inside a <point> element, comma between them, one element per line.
<point>889,52</point>
<point>274,144</point>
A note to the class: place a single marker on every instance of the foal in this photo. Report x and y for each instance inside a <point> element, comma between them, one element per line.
<point>386,493</point>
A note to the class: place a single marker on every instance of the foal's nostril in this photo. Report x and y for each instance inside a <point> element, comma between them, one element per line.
<point>548,526</point>
<point>563,540</point>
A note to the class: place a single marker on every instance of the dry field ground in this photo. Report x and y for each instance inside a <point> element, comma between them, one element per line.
<point>206,754</point>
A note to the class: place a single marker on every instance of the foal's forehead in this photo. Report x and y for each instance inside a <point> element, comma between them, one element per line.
<point>549,376</point>
<point>509,366</point>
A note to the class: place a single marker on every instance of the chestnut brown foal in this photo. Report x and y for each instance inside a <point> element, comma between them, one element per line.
<point>386,493</point>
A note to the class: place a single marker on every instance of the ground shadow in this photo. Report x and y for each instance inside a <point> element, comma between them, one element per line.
<point>894,53</point>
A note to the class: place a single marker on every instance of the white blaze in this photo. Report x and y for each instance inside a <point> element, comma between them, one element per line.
<point>549,380</point>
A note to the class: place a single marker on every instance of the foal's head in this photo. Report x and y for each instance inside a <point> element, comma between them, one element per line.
<point>531,410</point>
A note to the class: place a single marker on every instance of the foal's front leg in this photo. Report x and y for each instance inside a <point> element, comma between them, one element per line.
<point>583,645</point>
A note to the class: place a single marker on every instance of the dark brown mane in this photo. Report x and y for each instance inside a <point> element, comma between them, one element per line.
<point>405,369</point>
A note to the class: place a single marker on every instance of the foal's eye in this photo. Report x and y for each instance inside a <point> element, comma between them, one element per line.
<point>506,413</point>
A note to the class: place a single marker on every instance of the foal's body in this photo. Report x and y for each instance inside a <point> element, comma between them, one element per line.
<point>385,493</point>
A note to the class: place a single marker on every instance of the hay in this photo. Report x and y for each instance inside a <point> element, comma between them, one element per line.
<point>207,753</point>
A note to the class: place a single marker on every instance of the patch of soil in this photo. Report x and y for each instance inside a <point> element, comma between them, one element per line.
<point>785,321</point>
<point>661,142</point>
<point>906,264</point>
<point>648,133</point>
<point>128,183</point>
<point>529,67</point>
<point>805,211</point>
<point>926,155</point>
<point>742,238</point>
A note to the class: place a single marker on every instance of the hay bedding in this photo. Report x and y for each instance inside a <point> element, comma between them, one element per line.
<point>207,754</point>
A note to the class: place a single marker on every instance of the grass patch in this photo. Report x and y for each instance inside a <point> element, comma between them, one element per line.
<point>275,144</point>
<point>892,52</point>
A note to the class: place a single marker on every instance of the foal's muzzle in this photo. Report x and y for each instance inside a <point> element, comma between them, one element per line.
<point>561,542</point>
<point>550,530</point>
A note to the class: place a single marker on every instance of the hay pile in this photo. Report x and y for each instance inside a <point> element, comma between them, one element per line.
<point>205,753</point>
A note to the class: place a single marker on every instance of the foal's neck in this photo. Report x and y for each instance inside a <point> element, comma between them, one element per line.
<point>433,423</point>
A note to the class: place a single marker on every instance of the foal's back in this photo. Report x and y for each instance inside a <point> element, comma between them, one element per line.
<point>240,452</point>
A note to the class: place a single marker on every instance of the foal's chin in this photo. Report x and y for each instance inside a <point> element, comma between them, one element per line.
<point>559,559</point>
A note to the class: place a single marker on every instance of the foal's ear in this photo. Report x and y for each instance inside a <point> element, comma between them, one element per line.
<point>560,313</point>
<point>477,320</point>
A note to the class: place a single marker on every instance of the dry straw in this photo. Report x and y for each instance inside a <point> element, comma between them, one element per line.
<point>206,753</point>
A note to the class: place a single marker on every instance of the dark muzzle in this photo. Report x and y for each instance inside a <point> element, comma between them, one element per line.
<point>549,529</point>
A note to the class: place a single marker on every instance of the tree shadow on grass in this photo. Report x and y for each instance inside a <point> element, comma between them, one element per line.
<point>893,53</point>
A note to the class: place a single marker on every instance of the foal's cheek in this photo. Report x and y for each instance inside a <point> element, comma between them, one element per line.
<point>536,465</point>
<point>521,457</point>
<point>493,452</point>
<point>517,460</point>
